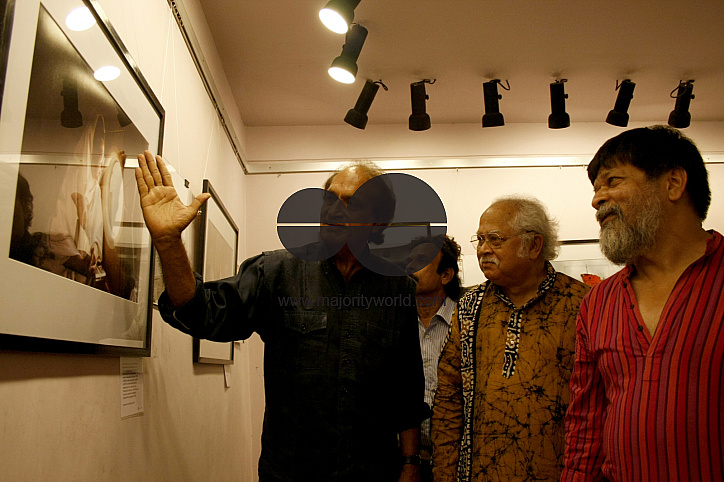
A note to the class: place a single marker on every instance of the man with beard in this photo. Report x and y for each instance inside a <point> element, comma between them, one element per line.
<point>504,371</point>
<point>342,383</point>
<point>647,390</point>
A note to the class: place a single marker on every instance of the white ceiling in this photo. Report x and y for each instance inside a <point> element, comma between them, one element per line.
<point>276,54</point>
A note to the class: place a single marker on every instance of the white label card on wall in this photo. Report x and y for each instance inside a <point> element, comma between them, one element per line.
<point>131,387</point>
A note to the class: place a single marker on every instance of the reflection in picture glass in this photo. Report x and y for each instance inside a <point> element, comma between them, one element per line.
<point>76,214</point>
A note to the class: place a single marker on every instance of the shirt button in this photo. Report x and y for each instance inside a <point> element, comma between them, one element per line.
<point>641,328</point>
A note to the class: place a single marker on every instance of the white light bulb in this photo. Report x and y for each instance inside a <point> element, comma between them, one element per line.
<point>107,72</point>
<point>333,21</point>
<point>341,75</point>
<point>80,19</point>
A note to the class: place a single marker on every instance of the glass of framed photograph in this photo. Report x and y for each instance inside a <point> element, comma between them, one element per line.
<point>217,254</point>
<point>582,259</point>
<point>75,254</point>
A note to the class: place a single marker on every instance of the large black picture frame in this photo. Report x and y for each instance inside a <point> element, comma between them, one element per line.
<point>216,256</point>
<point>75,254</point>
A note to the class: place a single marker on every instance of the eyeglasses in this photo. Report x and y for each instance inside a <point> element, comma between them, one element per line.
<point>494,240</point>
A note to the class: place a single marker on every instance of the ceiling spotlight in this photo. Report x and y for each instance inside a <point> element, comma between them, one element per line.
<point>680,116</point>
<point>338,15</point>
<point>558,119</point>
<point>357,117</point>
<point>419,120</point>
<point>70,117</point>
<point>344,67</point>
<point>619,115</point>
<point>492,116</point>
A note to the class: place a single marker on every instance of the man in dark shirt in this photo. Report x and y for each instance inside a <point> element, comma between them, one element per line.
<point>343,371</point>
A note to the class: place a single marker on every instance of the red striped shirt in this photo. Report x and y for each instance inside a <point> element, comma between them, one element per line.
<point>643,408</point>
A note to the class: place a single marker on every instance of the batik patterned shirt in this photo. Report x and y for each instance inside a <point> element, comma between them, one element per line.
<point>503,384</point>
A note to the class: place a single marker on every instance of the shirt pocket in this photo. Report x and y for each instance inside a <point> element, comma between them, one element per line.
<point>305,322</point>
<point>306,339</point>
<point>380,342</point>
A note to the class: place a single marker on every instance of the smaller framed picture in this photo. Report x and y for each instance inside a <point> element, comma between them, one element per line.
<point>582,259</point>
<point>216,255</point>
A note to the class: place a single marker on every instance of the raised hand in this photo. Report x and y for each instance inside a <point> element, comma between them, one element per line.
<point>165,214</point>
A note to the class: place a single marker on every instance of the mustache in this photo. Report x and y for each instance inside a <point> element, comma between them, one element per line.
<point>605,210</point>
<point>489,259</point>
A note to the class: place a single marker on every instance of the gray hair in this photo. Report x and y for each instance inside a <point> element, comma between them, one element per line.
<point>532,215</point>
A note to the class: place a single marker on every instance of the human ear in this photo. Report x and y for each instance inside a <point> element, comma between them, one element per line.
<point>447,276</point>
<point>676,183</point>
<point>536,246</point>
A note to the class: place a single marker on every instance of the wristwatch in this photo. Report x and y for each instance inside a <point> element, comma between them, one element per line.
<point>410,460</point>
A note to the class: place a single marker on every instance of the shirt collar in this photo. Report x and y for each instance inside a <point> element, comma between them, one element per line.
<point>543,288</point>
<point>712,244</point>
<point>446,310</point>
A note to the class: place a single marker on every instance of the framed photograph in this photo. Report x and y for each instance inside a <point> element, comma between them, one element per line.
<point>75,254</point>
<point>582,259</point>
<point>6,13</point>
<point>217,253</point>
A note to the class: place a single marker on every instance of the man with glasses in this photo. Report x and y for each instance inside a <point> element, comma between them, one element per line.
<point>503,377</point>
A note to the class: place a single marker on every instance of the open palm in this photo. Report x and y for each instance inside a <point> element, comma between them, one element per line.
<point>165,214</point>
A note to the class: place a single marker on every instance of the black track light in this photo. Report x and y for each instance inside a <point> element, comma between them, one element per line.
<point>492,116</point>
<point>71,116</point>
<point>338,15</point>
<point>558,119</point>
<point>419,120</point>
<point>680,116</point>
<point>619,115</point>
<point>357,116</point>
<point>344,67</point>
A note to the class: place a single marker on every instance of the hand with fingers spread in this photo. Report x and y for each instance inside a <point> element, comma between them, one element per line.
<point>166,217</point>
<point>165,214</point>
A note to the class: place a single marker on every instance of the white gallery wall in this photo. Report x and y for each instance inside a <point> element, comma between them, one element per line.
<point>465,192</point>
<point>60,414</point>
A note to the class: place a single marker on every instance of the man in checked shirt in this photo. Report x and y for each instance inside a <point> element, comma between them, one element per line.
<point>438,289</point>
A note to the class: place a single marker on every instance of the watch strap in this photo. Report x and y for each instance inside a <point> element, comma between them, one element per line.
<point>410,460</point>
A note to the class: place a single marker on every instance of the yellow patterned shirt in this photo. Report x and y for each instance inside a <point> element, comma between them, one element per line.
<point>504,384</point>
